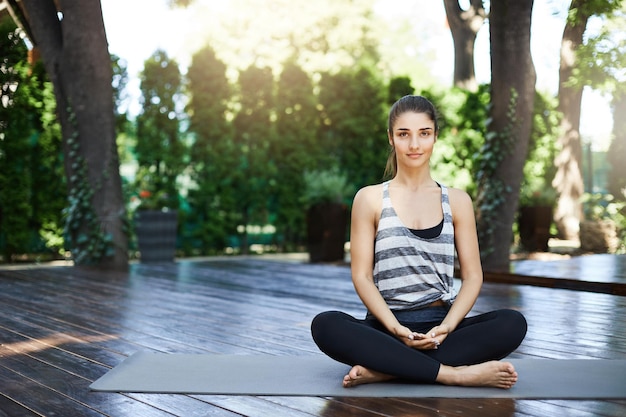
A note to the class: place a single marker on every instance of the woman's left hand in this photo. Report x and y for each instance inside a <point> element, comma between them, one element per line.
<point>439,333</point>
<point>432,339</point>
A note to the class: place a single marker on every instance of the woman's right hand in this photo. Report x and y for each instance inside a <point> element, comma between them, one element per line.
<point>405,335</point>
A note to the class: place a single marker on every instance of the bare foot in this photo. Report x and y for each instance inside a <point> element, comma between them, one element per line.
<point>360,375</point>
<point>489,374</point>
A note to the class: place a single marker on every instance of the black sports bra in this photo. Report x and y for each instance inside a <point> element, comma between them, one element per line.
<point>430,233</point>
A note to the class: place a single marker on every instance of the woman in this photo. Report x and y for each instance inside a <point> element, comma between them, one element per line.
<point>408,229</point>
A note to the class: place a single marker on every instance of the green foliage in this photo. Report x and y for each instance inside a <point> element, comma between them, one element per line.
<point>353,124</point>
<point>293,150</point>
<point>328,186</point>
<point>123,127</point>
<point>580,10</point>
<point>31,183</point>
<point>119,83</point>
<point>160,150</point>
<point>462,116</point>
<point>49,195</point>
<point>253,131</point>
<point>211,198</point>
<point>539,169</point>
<point>398,88</point>
<point>15,178</point>
<point>602,57</point>
<point>598,207</point>
<point>544,196</point>
<point>152,201</point>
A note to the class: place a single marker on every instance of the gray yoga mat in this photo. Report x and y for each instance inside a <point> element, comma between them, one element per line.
<point>318,375</point>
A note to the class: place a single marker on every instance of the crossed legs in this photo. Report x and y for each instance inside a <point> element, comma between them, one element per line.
<point>469,356</point>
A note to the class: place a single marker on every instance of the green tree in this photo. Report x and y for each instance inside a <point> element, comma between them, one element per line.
<point>212,153</point>
<point>294,150</point>
<point>49,196</point>
<point>160,149</point>
<point>539,169</point>
<point>15,147</point>
<point>568,180</point>
<point>399,87</point>
<point>31,171</point>
<point>353,124</point>
<point>602,60</point>
<point>252,171</point>
<point>462,115</point>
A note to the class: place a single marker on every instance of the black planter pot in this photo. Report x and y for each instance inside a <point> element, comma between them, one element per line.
<point>534,227</point>
<point>326,232</point>
<point>156,235</point>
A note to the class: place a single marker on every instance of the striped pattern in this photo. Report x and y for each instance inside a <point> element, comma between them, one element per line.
<point>411,272</point>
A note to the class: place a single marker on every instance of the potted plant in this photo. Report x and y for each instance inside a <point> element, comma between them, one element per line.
<point>535,217</point>
<point>326,196</point>
<point>155,227</point>
<point>603,222</point>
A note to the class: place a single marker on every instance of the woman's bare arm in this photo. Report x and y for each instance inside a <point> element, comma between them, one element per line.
<point>365,212</point>
<point>466,241</point>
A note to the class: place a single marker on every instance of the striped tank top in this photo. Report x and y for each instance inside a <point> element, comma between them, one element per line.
<point>410,271</point>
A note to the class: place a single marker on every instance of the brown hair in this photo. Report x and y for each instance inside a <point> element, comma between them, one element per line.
<point>415,104</point>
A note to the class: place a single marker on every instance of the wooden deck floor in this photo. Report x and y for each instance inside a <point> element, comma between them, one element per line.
<point>61,328</point>
<point>602,273</point>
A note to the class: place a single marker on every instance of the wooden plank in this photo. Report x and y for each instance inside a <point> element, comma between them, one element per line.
<point>597,408</point>
<point>39,398</point>
<point>10,408</point>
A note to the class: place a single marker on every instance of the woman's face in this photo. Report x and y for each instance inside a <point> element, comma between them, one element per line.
<point>413,138</point>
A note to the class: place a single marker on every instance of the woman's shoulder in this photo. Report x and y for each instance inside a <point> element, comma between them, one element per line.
<point>371,190</point>
<point>370,195</point>
<point>367,206</point>
<point>457,193</point>
<point>459,199</point>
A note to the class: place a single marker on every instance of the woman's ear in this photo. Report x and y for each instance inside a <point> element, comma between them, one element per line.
<point>390,137</point>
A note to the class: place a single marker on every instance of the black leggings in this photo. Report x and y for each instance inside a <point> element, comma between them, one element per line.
<point>477,339</point>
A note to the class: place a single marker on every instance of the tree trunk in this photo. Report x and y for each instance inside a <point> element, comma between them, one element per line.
<point>512,96</point>
<point>464,26</point>
<point>568,180</point>
<point>74,51</point>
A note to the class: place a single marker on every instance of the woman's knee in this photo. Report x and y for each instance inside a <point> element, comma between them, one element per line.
<point>517,319</point>
<point>326,324</point>
<point>515,322</point>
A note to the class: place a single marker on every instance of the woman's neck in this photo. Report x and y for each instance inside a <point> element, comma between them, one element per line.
<point>414,181</point>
